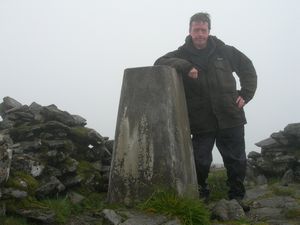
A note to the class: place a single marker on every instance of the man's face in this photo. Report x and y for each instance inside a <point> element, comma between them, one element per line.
<point>199,32</point>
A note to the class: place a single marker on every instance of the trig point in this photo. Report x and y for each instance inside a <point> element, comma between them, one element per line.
<point>152,147</point>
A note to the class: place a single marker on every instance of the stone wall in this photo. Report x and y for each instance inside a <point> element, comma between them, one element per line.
<point>45,151</point>
<point>279,157</point>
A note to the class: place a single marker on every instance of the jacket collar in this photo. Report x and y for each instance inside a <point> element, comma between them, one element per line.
<point>212,43</point>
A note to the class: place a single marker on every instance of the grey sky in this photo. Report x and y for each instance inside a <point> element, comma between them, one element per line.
<point>72,53</point>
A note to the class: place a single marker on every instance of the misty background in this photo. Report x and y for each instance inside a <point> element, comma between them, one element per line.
<point>72,53</point>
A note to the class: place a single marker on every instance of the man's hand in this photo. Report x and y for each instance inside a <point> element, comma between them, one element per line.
<point>193,73</point>
<point>240,102</point>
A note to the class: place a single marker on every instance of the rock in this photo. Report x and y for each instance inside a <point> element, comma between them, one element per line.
<point>80,121</point>
<point>13,193</point>
<point>2,208</point>
<point>75,198</point>
<point>7,104</point>
<point>172,222</point>
<point>46,216</point>
<point>111,217</point>
<point>254,155</point>
<point>261,180</point>
<point>257,192</point>
<point>5,162</point>
<point>280,138</point>
<point>266,213</point>
<point>145,219</point>
<point>283,202</point>
<point>288,177</point>
<point>27,146</point>
<point>226,210</point>
<point>268,143</point>
<point>50,188</point>
<point>293,130</point>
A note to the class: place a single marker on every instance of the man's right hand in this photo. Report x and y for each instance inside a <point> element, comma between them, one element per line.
<point>193,73</point>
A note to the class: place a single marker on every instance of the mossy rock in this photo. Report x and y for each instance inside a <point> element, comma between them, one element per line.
<point>22,181</point>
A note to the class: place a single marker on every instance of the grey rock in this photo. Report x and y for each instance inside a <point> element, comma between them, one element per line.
<point>22,116</point>
<point>278,202</point>
<point>292,130</point>
<point>268,143</point>
<point>6,124</point>
<point>172,222</point>
<point>281,222</point>
<point>52,113</point>
<point>111,217</point>
<point>257,192</point>
<point>226,210</point>
<point>5,162</point>
<point>7,104</point>
<point>27,146</point>
<point>72,181</point>
<point>261,180</point>
<point>254,155</point>
<point>288,177</point>
<point>266,213</point>
<point>35,109</point>
<point>13,193</point>
<point>79,120</point>
<point>95,137</point>
<point>75,198</point>
<point>70,166</point>
<point>2,208</point>
<point>145,219</point>
<point>46,216</point>
<point>280,138</point>
<point>50,188</point>
<point>37,169</point>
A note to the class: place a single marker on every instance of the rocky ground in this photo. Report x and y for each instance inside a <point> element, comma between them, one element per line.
<point>272,204</point>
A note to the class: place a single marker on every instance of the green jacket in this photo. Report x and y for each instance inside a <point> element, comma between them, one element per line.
<point>211,98</point>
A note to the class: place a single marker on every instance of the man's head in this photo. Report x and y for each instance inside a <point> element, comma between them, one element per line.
<point>199,29</point>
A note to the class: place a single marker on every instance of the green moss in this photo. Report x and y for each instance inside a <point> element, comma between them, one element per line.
<point>85,168</point>
<point>13,220</point>
<point>68,145</point>
<point>293,214</point>
<point>79,133</point>
<point>92,202</point>
<point>22,181</point>
<point>62,208</point>
<point>12,205</point>
<point>282,191</point>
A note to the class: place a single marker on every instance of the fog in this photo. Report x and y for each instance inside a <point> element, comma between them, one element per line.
<point>72,53</point>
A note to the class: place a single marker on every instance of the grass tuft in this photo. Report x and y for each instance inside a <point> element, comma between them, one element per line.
<point>217,185</point>
<point>189,211</point>
<point>62,208</point>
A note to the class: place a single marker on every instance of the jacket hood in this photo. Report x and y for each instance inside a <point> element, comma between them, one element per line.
<point>213,42</point>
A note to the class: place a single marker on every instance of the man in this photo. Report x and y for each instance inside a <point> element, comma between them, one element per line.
<point>215,106</point>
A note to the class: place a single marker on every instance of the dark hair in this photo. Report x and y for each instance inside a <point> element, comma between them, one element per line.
<point>201,17</point>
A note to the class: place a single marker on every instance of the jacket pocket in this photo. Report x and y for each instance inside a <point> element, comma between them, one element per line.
<point>225,78</point>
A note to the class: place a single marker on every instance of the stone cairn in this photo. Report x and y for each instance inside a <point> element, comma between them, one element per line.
<point>279,157</point>
<point>45,152</point>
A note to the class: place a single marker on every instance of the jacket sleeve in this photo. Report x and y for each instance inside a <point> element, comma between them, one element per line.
<point>174,60</point>
<point>245,70</point>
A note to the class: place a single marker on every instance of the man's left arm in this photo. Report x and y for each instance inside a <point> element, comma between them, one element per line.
<point>245,70</point>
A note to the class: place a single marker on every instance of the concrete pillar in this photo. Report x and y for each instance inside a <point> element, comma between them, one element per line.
<point>152,147</point>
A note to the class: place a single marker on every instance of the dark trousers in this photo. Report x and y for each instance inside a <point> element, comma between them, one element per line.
<point>231,145</point>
